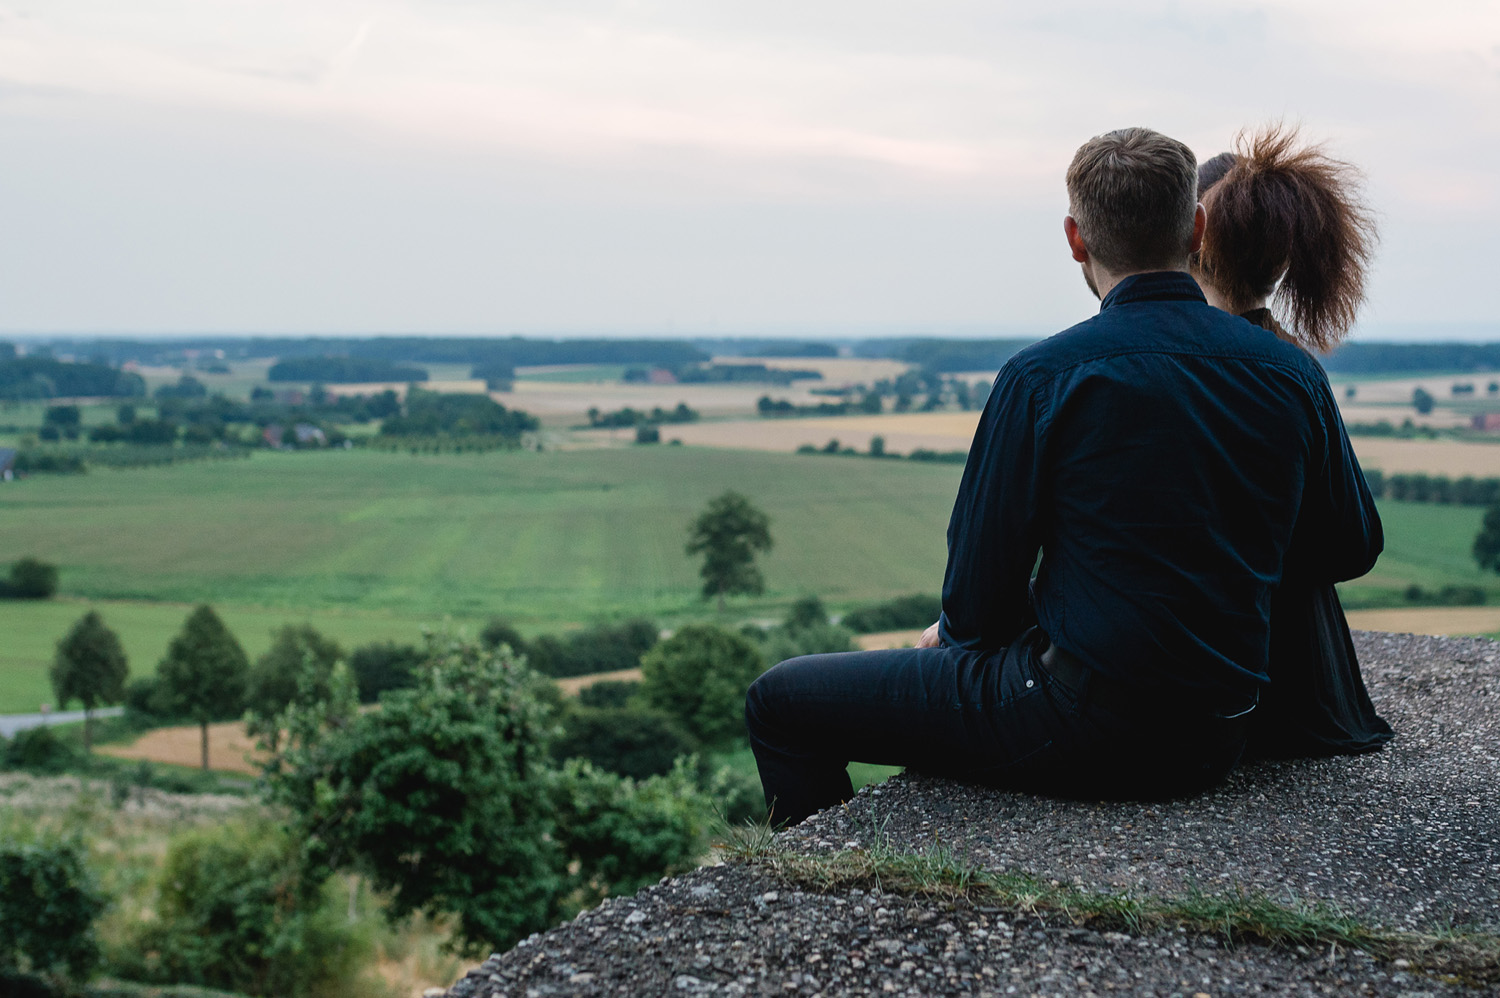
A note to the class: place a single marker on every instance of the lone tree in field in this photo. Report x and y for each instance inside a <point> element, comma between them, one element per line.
<point>1422,400</point>
<point>728,534</point>
<point>90,666</point>
<point>1487,542</point>
<point>203,673</point>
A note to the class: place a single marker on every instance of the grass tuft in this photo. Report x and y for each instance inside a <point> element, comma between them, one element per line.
<point>1236,916</point>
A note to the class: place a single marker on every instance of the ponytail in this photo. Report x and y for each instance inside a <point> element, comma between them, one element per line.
<point>1294,214</point>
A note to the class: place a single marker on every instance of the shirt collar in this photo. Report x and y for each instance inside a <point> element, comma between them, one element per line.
<point>1158,285</point>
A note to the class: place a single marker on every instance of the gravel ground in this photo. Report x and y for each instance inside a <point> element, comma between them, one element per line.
<point>1408,837</point>
<point>733,930</point>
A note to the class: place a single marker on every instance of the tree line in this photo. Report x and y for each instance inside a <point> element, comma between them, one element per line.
<point>1465,491</point>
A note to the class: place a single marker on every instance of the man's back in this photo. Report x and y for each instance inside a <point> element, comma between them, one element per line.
<point>1161,454</point>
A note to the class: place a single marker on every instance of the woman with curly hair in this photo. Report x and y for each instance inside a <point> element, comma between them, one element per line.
<point>1287,245</point>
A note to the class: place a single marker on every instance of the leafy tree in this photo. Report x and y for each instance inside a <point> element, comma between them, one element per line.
<point>441,797</point>
<point>32,579</point>
<point>1487,542</point>
<point>728,534</point>
<point>272,682</point>
<point>38,750</point>
<point>1422,399</point>
<point>699,676</point>
<point>203,673</point>
<point>601,648</point>
<point>48,904</point>
<point>90,667</point>
<point>384,666</point>
<point>446,798</point>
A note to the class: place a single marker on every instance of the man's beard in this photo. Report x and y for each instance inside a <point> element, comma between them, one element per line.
<point>1088,278</point>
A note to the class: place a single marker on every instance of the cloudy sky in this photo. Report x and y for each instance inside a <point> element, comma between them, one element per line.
<point>717,167</point>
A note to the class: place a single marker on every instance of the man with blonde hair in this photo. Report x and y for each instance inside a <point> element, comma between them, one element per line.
<point>1157,458</point>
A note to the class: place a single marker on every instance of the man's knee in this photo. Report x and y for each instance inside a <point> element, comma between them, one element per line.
<point>764,694</point>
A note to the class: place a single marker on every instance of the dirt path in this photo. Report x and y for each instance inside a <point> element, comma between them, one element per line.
<point>229,748</point>
<point>573,684</point>
<point>1435,620</point>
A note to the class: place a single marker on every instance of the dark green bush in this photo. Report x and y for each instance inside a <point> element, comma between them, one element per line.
<point>602,648</point>
<point>384,666</point>
<point>608,693</point>
<point>900,614</point>
<point>232,913</point>
<point>500,631</point>
<point>38,750</point>
<point>630,741</point>
<point>32,579</point>
<point>48,904</point>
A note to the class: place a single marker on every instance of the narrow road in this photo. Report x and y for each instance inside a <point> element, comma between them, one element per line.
<point>12,723</point>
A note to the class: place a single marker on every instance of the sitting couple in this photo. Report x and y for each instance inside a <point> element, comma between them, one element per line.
<point>1178,464</point>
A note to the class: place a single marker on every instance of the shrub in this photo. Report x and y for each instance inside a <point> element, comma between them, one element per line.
<point>622,834</point>
<point>699,676</point>
<point>625,740</point>
<point>602,648</point>
<point>608,693</point>
<point>48,904</point>
<point>500,631</point>
<point>384,666</point>
<point>233,914</point>
<point>900,614</point>
<point>32,579</point>
<point>38,750</point>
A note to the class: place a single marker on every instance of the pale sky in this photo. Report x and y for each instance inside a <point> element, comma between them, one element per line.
<point>686,167</point>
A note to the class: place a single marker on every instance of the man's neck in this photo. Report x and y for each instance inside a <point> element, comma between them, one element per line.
<point>1104,281</point>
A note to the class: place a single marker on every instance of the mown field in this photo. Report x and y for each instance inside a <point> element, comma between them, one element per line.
<point>372,546</point>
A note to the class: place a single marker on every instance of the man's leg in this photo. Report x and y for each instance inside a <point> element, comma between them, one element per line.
<point>983,715</point>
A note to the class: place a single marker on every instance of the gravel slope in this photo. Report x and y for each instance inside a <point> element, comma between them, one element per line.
<point>1407,838</point>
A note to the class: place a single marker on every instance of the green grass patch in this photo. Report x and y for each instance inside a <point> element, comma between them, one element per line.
<point>1235,916</point>
<point>1426,544</point>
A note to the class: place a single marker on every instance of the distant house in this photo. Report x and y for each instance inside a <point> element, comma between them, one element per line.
<point>307,434</point>
<point>662,376</point>
<point>1487,422</point>
<point>272,435</point>
<point>7,463</point>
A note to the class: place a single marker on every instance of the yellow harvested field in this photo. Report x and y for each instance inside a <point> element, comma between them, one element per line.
<point>574,399</point>
<point>838,372</point>
<point>1437,418</point>
<point>464,386</point>
<point>887,639</point>
<point>1439,620</point>
<point>1454,458</point>
<point>573,684</point>
<point>1440,387</point>
<point>229,748</point>
<point>941,431</point>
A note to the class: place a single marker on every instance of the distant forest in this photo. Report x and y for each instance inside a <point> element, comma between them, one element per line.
<point>514,351</point>
<point>343,370</point>
<point>499,355</point>
<point>44,378</point>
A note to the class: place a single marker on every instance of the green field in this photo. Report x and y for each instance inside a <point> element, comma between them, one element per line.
<point>371,546</point>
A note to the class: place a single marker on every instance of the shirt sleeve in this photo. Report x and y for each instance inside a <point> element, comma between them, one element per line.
<point>994,533</point>
<point>1343,527</point>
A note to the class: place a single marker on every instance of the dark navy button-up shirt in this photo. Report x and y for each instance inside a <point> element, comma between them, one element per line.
<point>1166,459</point>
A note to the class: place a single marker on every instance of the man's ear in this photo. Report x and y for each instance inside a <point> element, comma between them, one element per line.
<point>1200,222</point>
<point>1075,241</point>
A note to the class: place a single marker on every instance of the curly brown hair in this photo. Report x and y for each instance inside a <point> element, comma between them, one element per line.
<point>1281,210</point>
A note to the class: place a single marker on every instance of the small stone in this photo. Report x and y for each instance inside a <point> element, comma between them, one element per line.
<point>581,978</point>
<point>635,917</point>
<point>1402,964</point>
<point>770,896</point>
<point>434,993</point>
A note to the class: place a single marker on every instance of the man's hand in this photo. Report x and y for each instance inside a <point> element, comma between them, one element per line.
<point>929,638</point>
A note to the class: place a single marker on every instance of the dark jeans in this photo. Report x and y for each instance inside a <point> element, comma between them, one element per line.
<point>994,717</point>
